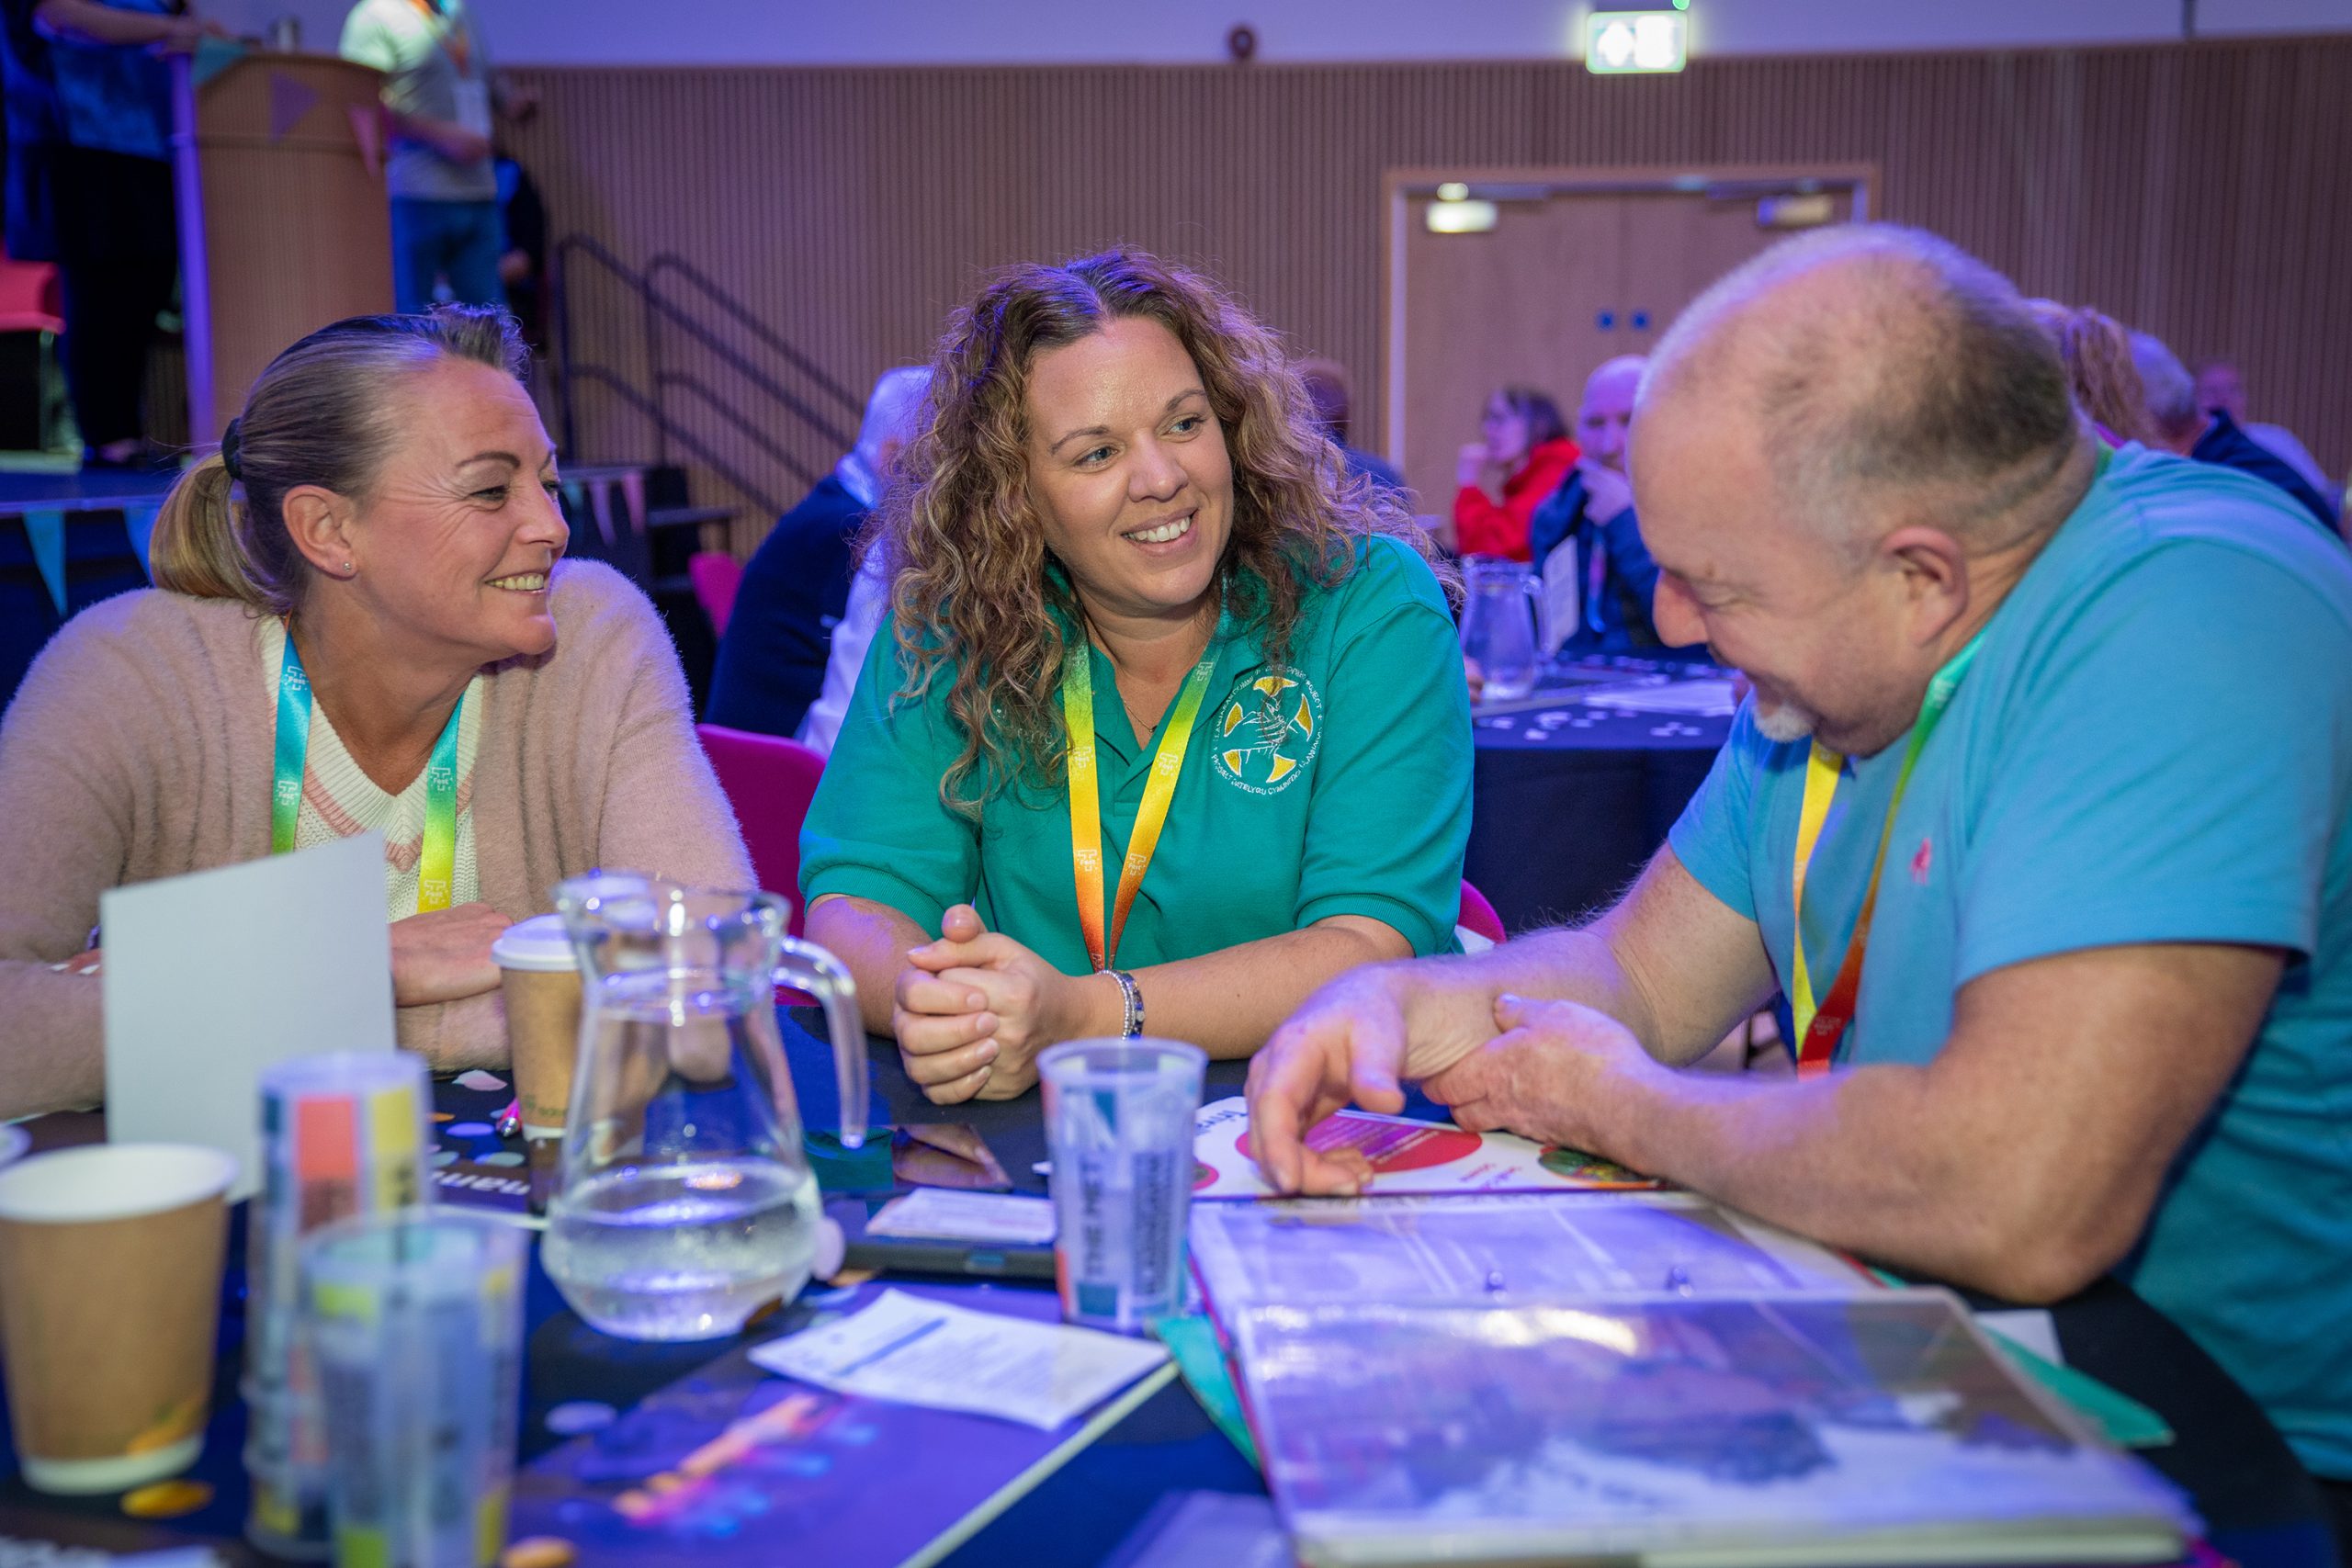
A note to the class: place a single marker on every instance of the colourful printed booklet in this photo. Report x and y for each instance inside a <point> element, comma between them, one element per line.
<point>1406,1155</point>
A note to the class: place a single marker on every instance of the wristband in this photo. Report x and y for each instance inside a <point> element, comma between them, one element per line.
<point>1132,1024</point>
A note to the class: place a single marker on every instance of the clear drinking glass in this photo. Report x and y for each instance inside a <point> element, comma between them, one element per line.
<point>1119,1117</point>
<point>415,1318</point>
<point>686,1202</point>
<point>1502,627</point>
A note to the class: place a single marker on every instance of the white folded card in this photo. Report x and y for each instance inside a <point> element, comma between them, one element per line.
<point>966,1216</point>
<point>914,1350</point>
<point>211,977</point>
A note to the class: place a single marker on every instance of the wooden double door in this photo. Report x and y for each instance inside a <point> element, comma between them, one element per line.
<point>1582,265</point>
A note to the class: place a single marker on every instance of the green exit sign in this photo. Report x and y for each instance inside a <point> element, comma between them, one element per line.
<point>1627,43</point>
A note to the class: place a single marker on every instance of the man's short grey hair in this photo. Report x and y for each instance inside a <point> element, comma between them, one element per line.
<point>893,408</point>
<point>2171,391</point>
<point>1921,377</point>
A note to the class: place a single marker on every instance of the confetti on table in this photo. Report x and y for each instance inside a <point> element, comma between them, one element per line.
<point>478,1079</point>
<point>468,1129</point>
<point>576,1416</point>
<point>503,1158</point>
<point>539,1551</point>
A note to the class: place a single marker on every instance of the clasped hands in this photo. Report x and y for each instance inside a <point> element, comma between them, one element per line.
<point>1555,1071</point>
<point>973,1009</point>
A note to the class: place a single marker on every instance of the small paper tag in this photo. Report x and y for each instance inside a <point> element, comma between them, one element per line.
<point>914,1350</point>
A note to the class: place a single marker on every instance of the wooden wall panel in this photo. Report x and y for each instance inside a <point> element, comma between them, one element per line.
<point>2203,190</point>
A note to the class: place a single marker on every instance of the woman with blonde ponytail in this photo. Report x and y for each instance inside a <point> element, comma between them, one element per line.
<point>370,566</point>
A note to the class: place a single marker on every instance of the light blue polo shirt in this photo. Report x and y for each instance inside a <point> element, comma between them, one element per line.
<point>1337,783</point>
<point>2154,744</point>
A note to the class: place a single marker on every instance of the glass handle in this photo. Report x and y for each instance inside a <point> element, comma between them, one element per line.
<point>1534,586</point>
<point>808,967</point>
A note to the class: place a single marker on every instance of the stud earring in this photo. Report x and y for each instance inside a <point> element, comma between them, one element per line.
<point>350,570</point>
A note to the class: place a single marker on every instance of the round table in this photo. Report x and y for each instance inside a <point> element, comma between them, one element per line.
<point>2259,1507</point>
<point>1570,798</point>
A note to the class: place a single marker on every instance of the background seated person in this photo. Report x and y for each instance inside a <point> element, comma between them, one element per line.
<point>2096,1019</point>
<point>372,556</point>
<point>1329,390</point>
<point>2096,348</point>
<point>1585,538</point>
<point>1126,553</point>
<point>1522,453</point>
<point>796,591</point>
<point>2178,424</point>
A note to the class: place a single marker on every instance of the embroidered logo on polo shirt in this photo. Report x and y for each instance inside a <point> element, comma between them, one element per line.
<point>1268,732</point>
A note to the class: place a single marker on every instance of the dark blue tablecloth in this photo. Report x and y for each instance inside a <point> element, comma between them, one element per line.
<point>2259,1507</point>
<point>1571,799</point>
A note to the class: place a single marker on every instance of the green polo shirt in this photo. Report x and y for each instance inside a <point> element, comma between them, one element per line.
<point>1338,786</point>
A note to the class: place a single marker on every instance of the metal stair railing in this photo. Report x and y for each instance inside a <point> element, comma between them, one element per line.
<point>658,313</point>
<point>670,262</point>
<point>686,438</point>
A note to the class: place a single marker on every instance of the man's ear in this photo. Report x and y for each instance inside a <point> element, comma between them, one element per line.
<point>1935,578</point>
<point>320,524</point>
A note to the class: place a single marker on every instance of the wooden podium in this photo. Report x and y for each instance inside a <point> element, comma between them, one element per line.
<point>277,161</point>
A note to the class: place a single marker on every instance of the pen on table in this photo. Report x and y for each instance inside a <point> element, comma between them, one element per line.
<point>509,1121</point>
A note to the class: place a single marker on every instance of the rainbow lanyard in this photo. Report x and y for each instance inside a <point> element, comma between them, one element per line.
<point>437,857</point>
<point>1085,797</point>
<point>1820,1028</point>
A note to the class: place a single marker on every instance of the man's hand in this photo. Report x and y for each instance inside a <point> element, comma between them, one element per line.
<point>443,956</point>
<point>976,1007</point>
<point>1354,1041</point>
<point>1558,1073</point>
<point>1607,494</point>
<point>450,140</point>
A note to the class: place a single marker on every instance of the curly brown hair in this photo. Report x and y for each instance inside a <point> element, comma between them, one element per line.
<point>2097,353</point>
<point>971,595</point>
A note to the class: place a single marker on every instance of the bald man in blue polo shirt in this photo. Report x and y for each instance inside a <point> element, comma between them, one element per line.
<point>2083,720</point>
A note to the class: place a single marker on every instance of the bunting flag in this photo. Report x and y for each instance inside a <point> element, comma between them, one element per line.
<point>633,492</point>
<point>138,522</point>
<point>213,55</point>
<point>289,101</point>
<point>45,530</point>
<point>368,129</point>
<point>600,504</point>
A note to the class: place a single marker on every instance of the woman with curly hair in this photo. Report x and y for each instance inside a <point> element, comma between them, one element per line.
<point>1168,726</point>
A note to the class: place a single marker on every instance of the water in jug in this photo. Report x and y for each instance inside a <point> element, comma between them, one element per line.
<point>686,1201</point>
<point>1502,625</point>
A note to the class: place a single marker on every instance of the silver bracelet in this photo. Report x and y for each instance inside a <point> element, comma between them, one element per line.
<point>1133,1024</point>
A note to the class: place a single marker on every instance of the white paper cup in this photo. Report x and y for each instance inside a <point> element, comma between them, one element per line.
<point>110,1261</point>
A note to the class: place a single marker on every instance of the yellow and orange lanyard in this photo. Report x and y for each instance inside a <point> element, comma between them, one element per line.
<point>1819,1028</point>
<point>1103,927</point>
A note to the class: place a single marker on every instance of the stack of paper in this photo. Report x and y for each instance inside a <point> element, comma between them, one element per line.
<point>1490,1372</point>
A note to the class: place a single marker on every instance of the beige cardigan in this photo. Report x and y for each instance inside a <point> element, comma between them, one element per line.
<point>139,745</point>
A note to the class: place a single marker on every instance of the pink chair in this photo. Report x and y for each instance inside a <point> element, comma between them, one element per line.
<point>716,575</point>
<point>770,781</point>
<point>1480,916</point>
<point>28,297</point>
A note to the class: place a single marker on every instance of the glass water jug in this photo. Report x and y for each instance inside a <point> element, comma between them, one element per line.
<point>1502,625</point>
<point>686,1202</point>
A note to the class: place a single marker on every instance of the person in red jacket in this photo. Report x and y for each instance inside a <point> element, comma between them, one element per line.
<point>1523,457</point>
